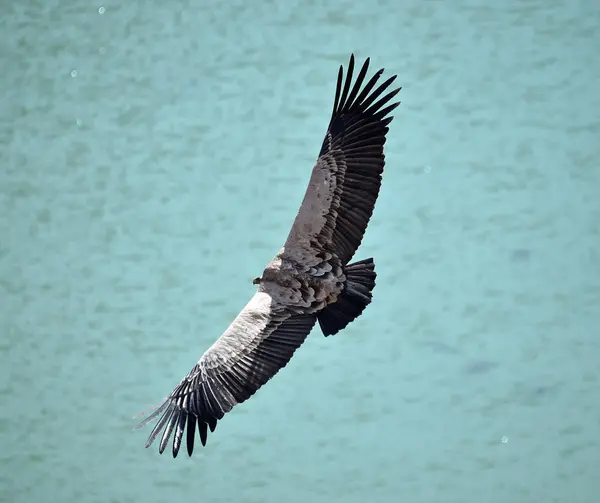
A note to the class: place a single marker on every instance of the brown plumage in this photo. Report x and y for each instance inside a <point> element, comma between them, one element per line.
<point>309,279</point>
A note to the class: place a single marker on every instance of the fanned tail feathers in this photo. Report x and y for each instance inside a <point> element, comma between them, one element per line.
<point>357,294</point>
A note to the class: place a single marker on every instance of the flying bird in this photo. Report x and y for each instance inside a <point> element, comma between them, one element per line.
<point>310,279</point>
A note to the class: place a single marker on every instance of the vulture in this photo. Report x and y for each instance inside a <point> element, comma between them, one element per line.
<point>310,280</point>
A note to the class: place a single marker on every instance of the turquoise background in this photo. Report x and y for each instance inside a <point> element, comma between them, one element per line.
<point>152,159</point>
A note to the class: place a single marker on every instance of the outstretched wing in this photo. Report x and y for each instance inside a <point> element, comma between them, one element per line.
<point>259,342</point>
<point>345,181</point>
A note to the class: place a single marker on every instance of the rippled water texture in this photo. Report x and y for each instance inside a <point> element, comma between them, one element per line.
<point>152,158</point>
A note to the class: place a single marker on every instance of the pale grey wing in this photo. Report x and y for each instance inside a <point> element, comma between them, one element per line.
<point>346,179</point>
<point>258,343</point>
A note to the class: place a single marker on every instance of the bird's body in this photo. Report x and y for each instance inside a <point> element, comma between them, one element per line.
<point>310,279</point>
<point>302,280</point>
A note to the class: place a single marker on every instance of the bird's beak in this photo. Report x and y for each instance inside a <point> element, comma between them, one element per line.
<point>256,281</point>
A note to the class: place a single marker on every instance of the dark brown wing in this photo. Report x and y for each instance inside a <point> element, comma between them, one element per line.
<point>345,181</point>
<point>259,342</point>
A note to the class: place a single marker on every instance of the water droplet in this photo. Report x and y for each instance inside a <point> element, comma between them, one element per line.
<point>101,10</point>
<point>504,439</point>
<point>73,73</point>
<point>79,122</point>
<point>102,50</point>
<point>427,169</point>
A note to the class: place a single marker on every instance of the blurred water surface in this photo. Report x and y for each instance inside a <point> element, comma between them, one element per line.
<point>152,158</point>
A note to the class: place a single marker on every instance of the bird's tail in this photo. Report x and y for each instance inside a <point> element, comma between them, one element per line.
<point>356,295</point>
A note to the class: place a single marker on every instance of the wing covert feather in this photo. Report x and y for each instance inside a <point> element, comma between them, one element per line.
<point>259,342</point>
<point>345,181</point>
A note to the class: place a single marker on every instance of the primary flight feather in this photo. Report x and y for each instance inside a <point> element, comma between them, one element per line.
<point>309,280</point>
